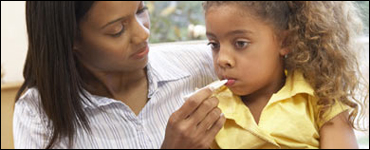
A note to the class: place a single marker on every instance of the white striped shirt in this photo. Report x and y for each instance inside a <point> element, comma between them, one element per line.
<point>173,72</point>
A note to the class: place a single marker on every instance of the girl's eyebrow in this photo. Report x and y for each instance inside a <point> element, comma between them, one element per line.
<point>239,32</point>
<point>209,34</point>
<point>242,31</point>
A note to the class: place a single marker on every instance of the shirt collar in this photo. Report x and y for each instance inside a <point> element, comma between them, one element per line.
<point>162,69</point>
<point>295,84</point>
<point>94,101</point>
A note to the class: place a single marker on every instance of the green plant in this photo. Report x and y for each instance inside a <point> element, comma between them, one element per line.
<point>170,20</point>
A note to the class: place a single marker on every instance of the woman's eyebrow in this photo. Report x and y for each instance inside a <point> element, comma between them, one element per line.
<point>114,21</point>
<point>119,19</point>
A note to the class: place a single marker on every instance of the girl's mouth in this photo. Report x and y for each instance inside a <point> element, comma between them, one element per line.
<point>230,82</point>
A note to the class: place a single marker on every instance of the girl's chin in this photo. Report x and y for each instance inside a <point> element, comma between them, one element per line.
<point>238,92</point>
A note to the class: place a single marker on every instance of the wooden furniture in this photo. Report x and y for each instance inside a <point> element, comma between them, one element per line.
<point>8,92</point>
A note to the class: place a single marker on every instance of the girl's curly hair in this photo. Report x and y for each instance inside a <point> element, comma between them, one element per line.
<point>321,38</point>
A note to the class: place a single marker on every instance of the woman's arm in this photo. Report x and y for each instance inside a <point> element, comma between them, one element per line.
<point>337,133</point>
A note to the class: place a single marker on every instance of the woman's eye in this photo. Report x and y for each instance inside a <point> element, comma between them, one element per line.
<point>118,34</point>
<point>142,10</point>
<point>214,46</point>
<point>241,44</point>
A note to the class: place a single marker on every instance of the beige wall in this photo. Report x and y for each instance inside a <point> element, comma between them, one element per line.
<point>8,92</point>
<point>13,39</point>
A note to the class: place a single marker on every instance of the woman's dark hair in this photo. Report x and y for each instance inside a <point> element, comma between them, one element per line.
<point>51,66</point>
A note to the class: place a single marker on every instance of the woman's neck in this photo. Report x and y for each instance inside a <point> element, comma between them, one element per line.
<point>112,84</point>
<point>130,88</point>
<point>121,82</point>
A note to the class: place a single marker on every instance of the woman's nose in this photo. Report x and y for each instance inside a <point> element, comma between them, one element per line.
<point>141,32</point>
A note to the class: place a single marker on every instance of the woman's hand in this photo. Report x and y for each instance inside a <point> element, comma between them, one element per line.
<point>195,124</point>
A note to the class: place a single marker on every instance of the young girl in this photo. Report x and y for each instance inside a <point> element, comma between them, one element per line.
<point>291,73</point>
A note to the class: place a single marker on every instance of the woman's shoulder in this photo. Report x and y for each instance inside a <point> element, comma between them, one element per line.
<point>29,103</point>
<point>30,123</point>
<point>182,50</point>
<point>190,56</point>
<point>31,95</point>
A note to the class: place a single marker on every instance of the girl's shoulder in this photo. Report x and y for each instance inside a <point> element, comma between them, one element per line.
<point>298,85</point>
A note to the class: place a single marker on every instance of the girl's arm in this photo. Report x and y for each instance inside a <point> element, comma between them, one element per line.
<point>337,133</point>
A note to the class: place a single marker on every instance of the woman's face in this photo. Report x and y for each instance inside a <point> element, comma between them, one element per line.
<point>114,36</point>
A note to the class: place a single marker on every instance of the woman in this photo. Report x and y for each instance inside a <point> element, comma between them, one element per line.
<point>92,84</point>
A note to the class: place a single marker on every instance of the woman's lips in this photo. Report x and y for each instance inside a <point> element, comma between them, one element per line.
<point>142,53</point>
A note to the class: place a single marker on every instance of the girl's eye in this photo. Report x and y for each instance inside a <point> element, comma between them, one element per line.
<point>241,44</point>
<point>214,46</point>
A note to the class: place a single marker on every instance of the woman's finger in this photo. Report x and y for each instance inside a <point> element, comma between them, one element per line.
<point>193,102</point>
<point>203,110</point>
<point>211,119</point>
<point>216,127</point>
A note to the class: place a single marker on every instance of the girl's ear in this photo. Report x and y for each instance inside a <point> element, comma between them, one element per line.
<point>284,51</point>
<point>284,48</point>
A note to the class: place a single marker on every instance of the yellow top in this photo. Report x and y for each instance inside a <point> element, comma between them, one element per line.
<point>289,120</point>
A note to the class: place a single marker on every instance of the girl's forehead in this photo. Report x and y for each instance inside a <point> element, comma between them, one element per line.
<point>230,8</point>
<point>231,18</point>
<point>232,14</point>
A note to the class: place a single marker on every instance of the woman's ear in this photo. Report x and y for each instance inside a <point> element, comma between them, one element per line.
<point>76,45</point>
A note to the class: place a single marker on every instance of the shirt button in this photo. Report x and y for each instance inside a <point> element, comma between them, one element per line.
<point>140,127</point>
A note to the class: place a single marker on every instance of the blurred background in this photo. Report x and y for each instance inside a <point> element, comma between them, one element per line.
<point>171,21</point>
<point>176,21</point>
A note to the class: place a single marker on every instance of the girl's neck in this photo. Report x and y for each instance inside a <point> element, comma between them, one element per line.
<point>257,101</point>
<point>265,93</point>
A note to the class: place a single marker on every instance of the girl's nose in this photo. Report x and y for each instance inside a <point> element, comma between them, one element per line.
<point>225,59</point>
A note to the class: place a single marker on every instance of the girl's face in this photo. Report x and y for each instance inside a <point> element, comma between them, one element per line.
<point>245,49</point>
<point>114,36</point>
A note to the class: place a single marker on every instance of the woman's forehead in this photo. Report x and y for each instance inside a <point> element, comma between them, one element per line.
<point>103,12</point>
